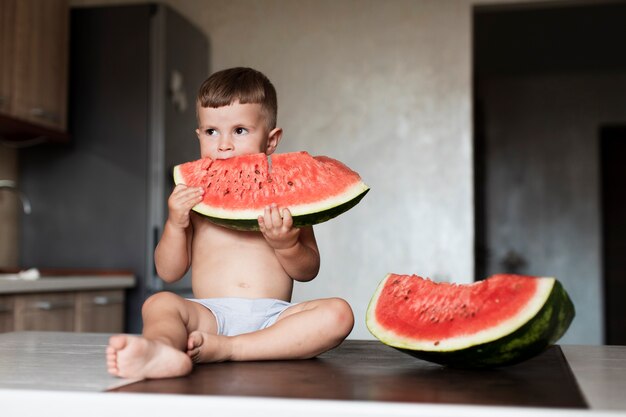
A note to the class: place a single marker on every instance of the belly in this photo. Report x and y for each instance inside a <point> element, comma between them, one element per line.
<point>228,263</point>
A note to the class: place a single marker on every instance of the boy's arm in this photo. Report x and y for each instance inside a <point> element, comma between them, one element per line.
<point>302,260</point>
<point>172,256</point>
<point>295,248</point>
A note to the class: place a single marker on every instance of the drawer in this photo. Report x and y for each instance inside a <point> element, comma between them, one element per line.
<point>100,311</point>
<point>47,312</point>
<point>6,313</point>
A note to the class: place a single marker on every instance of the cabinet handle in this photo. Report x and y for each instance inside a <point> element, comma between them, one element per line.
<point>44,114</point>
<point>103,300</point>
<point>51,305</point>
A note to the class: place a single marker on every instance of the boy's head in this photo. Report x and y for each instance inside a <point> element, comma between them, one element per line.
<point>236,110</point>
<point>244,85</point>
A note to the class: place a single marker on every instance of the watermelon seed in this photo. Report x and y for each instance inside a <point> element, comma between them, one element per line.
<point>290,183</point>
<point>227,192</point>
<point>260,186</point>
<point>256,171</point>
<point>437,343</point>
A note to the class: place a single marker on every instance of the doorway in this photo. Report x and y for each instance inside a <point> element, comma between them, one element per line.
<point>613,163</point>
<point>547,76</point>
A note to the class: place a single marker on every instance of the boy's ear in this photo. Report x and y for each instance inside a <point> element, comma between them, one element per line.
<point>273,139</point>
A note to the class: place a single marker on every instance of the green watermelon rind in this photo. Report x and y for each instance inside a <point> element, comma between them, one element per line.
<point>319,214</point>
<point>542,330</point>
<point>305,215</point>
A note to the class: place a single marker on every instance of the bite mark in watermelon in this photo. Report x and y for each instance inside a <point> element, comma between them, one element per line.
<point>314,189</point>
<point>500,321</point>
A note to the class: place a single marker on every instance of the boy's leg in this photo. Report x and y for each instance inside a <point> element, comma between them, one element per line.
<point>302,331</point>
<point>161,350</point>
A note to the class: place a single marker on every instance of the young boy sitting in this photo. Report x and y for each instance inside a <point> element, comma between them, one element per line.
<point>242,281</point>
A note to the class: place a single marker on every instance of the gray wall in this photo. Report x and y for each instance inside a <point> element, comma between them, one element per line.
<point>384,87</point>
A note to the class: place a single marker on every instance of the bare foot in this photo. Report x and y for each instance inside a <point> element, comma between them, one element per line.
<point>136,357</point>
<point>205,347</point>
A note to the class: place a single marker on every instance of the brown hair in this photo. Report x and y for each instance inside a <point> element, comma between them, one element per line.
<point>245,85</point>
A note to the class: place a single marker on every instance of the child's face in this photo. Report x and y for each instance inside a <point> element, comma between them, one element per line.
<point>237,129</point>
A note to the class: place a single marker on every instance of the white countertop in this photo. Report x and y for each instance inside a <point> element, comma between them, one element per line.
<point>43,373</point>
<point>65,283</point>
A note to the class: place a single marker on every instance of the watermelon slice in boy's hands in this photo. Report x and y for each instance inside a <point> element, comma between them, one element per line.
<point>238,189</point>
<point>499,321</point>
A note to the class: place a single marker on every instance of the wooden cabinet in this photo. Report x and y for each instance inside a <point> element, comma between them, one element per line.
<point>34,47</point>
<point>99,312</point>
<point>51,311</point>
<point>6,313</point>
<point>82,311</point>
<point>7,47</point>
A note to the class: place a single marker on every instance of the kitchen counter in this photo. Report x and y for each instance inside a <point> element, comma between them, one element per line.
<point>360,378</point>
<point>66,283</point>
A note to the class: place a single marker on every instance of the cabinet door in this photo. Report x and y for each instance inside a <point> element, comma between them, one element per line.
<point>41,62</point>
<point>7,46</point>
<point>100,311</point>
<point>6,313</point>
<point>48,311</point>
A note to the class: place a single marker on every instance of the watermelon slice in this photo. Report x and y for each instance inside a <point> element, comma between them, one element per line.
<point>314,189</point>
<point>499,321</point>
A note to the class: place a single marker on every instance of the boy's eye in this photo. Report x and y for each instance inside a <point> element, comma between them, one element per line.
<point>210,132</point>
<point>240,131</point>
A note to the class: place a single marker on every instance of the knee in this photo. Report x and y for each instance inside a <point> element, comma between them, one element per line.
<point>160,302</point>
<point>340,316</point>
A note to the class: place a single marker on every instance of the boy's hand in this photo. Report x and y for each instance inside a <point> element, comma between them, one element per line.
<point>181,201</point>
<point>276,224</point>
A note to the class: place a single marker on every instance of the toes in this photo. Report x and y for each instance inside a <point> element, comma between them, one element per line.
<point>118,341</point>
<point>194,340</point>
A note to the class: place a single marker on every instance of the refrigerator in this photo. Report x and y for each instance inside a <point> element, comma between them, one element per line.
<point>100,202</point>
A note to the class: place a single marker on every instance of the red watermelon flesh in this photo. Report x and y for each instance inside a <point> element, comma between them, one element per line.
<point>238,189</point>
<point>498,321</point>
<point>444,311</point>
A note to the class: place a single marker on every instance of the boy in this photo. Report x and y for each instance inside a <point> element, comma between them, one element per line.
<point>243,281</point>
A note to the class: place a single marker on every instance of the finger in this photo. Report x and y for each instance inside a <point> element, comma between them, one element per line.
<point>186,193</point>
<point>287,219</point>
<point>267,217</point>
<point>189,194</point>
<point>275,214</point>
<point>261,224</point>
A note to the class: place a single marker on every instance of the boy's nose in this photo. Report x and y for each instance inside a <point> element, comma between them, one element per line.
<point>225,144</point>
